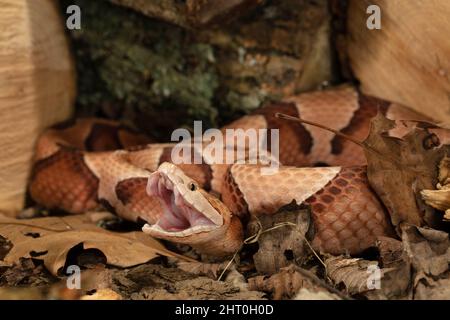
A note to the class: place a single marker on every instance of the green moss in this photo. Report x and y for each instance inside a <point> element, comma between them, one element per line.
<point>160,76</point>
<point>131,61</point>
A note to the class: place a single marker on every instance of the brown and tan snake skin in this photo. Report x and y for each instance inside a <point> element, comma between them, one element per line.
<point>75,170</point>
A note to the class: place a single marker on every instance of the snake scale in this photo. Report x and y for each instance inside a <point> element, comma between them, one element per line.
<point>95,163</point>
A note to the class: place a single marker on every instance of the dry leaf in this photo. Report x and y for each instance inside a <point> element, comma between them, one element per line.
<point>360,276</point>
<point>412,267</point>
<point>237,279</point>
<point>283,239</point>
<point>154,281</point>
<point>50,239</point>
<point>353,273</point>
<point>439,198</point>
<point>211,270</point>
<point>25,272</point>
<point>427,249</point>
<point>433,290</point>
<point>287,282</point>
<point>305,294</point>
<point>97,278</point>
<point>5,265</point>
<point>103,294</point>
<point>91,280</point>
<point>17,293</point>
<point>391,251</point>
<point>400,167</point>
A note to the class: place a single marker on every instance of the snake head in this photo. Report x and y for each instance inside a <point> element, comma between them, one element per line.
<point>191,215</point>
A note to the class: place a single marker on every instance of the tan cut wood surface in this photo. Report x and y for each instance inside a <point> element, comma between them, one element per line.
<point>407,61</point>
<point>37,87</point>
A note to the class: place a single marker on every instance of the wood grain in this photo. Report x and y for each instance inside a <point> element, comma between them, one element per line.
<point>192,13</point>
<point>37,87</point>
<point>407,61</point>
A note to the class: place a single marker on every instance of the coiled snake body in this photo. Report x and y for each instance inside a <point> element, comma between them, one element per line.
<point>75,170</point>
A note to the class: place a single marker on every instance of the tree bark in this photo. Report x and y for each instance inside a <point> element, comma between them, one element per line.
<point>191,13</point>
<point>141,69</point>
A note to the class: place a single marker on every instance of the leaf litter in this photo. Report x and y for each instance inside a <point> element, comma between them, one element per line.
<point>404,160</point>
<point>51,239</point>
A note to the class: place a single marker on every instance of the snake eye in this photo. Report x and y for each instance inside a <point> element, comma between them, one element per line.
<point>192,186</point>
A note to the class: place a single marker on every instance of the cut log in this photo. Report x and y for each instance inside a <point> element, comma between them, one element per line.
<point>146,69</point>
<point>407,60</point>
<point>37,87</point>
<point>192,13</point>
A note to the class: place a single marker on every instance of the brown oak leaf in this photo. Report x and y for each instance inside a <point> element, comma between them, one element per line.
<point>427,249</point>
<point>403,159</point>
<point>367,278</point>
<point>282,238</point>
<point>287,283</point>
<point>50,239</point>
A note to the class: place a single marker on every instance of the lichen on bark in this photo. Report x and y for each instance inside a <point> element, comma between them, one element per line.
<point>160,76</point>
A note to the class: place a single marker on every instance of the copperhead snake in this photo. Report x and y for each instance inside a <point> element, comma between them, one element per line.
<point>96,163</point>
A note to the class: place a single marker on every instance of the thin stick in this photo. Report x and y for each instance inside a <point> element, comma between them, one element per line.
<point>338,133</point>
<point>228,264</point>
<point>255,237</point>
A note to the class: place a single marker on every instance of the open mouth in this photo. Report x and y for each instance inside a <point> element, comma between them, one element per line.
<point>185,212</point>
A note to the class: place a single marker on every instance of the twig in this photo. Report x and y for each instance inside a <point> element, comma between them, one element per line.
<point>255,237</point>
<point>338,133</point>
<point>228,264</point>
<point>315,124</point>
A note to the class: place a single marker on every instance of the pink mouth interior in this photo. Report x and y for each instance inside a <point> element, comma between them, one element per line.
<point>178,214</point>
